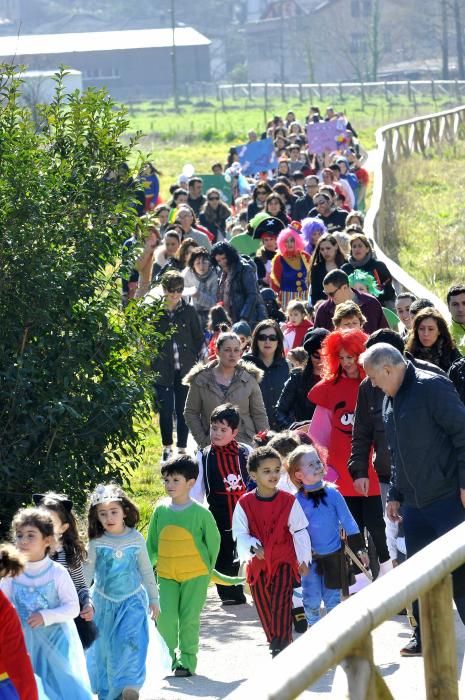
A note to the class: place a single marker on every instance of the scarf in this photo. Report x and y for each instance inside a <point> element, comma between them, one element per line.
<point>315,492</point>
<point>300,330</point>
<point>227,461</point>
<point>437,354</point>
<point>356,264</point>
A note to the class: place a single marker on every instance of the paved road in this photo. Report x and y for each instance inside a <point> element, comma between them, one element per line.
<point>233,649</point>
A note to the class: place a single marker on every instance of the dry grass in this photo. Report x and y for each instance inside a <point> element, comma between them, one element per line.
<point>430,216</point>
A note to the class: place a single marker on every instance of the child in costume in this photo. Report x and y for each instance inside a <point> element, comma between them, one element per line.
<point>47,603</point>
<point>16,675</point>
<point>124,591</point>
<point>223,480</point>
<point>326,512</point>
<point>290,268</point>
<point>271,533</point>
<point>183,543</point>
<point>297,325</point>
<point>365,282</point>
<point>70,553</point>
<point>335,397</point>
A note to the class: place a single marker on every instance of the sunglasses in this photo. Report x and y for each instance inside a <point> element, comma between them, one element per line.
<point>176,290</point>
<point>212,199</point>
<point>263,337</point>
<point>330,295</point>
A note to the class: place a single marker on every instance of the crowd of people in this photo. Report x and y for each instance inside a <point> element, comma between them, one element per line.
<point>328,417</point>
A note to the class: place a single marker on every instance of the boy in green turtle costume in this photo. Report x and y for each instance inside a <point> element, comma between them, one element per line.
<point>183,542</point>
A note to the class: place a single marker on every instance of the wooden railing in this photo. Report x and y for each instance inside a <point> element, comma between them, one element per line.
<point>344,635</point>
<point>388,89</point>
<point>396,141</point>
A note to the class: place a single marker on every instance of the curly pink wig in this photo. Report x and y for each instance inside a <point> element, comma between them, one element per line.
<point>290,233</point>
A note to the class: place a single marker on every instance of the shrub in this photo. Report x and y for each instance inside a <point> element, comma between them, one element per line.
<point>74,384</point>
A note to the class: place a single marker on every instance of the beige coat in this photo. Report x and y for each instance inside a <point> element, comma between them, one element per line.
<point>205,395</point>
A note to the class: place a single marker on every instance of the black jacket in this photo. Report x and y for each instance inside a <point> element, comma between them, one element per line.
<point>457,376</point>
<point>425,428</point>
<point>273,380</point>
<point>293,405</point>
<point>245,300</point>
<point>188,336</point>
<point>302,207</point>
<point>368,430</point>
<point>379,271</point>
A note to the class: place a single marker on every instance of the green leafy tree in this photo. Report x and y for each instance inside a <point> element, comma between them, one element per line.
<point>75,383</point>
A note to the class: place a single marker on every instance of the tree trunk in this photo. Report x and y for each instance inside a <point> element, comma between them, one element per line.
<point>444,41</point>
<point>459,40</point>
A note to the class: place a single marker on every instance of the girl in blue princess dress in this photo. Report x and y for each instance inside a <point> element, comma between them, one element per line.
<point>47,603</point>
<point>124,591</point>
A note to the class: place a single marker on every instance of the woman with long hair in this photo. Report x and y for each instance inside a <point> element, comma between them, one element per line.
<point>327,256</point>
<point>214,214</point>
<point>289,199</point>
<point>430,340</point>
<point>259,195</point>
<point>362,258</point>
<point>290,267</point>
<point>227,380</point>
<point>267,353</point>
<point>293,404</point>
<point>335,397</point>
<point>201,281</point>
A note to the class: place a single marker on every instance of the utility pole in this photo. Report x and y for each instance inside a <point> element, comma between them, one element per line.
<point>281,52</point>
<point>173,58</point>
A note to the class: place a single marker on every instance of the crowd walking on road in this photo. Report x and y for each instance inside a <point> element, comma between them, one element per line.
<point>306,407</point>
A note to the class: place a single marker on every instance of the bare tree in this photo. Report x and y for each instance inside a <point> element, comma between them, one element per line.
<point>445,39</point>
<point>457,12</point>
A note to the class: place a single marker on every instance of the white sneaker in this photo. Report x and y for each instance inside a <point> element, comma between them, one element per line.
<point>182,451</point>
<point>166,455</point>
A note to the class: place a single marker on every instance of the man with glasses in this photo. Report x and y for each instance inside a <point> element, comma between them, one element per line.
<point>305,204</point>
<point>333,218</point>
<point>336,287</point>
<point>176,357</point>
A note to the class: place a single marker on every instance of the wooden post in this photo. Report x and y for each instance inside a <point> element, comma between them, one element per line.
<point>438,642</point>
<point>362,679</point>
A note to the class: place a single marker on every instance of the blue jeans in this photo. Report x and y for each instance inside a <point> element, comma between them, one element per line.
<point>170,399</point>
<point>314,591</point>
<point>424,525</point>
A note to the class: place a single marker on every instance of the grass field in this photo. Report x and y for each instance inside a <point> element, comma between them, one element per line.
<point>202,135</point>
<point>431,213</point>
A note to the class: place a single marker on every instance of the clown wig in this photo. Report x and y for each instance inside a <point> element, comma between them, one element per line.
<point>351,341</point>
<point>311,228</point>
<point>284,236</point>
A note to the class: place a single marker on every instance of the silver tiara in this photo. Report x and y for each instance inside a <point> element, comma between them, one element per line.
<point>105,493</point>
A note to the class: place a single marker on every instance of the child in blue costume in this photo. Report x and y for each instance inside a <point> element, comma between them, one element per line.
<point>326,512</point>
<point>47,603</point>
<point>118,564</point>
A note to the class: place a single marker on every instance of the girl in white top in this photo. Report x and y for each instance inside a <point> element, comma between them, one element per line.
<point>47,603</point>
